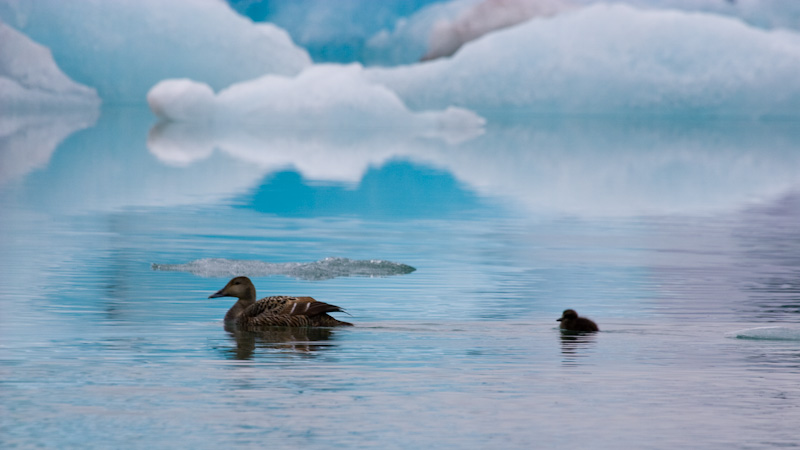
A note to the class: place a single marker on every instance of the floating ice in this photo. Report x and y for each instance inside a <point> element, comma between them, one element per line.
<point>319,270</point>
<point>31,81</point>
<point>489,15</point>
<point>614,59</point>
<point>322,96</point>
<point>770,334</point>
<point>123,47</point>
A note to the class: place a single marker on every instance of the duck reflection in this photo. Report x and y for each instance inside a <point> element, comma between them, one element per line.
<point>293,340</point>
<point>576,346</point>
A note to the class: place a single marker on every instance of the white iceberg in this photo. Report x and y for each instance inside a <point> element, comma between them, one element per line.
<point>123,47</point>
<point>614,59</point>
<point>321,97</point>
<point>31,81</point>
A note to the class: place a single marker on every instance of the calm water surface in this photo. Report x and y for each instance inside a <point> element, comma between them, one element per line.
<point>672,235</point>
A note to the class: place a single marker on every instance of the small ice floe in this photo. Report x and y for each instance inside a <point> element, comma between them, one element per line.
<point>769,333</point>
<point>318,270</point>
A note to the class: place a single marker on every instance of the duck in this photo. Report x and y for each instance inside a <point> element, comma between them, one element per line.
<point>571,322</point>
<point>280,310</point>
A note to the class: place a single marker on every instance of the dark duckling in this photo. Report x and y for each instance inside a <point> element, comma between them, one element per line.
<point>571,322</point>
<point>282,310</point>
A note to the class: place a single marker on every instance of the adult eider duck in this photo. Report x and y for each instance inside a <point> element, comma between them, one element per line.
<point>571,322</point>
<point>282,310</point>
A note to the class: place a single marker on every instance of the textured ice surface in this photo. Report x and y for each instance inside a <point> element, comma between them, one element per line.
<point>446,37</point>
<point>123,47</point>
<point>409,39</point>
<point>31,81</point>
<point>318,270</point>
<point>331,30</point>
<point>614,59</point>
<point>770,334</point>
<point>323,96</point>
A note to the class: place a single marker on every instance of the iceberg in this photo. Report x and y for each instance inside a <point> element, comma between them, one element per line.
<point>31,81</point>
<point>332,31</point>
<point>408,40</point>
<point>324,269</point>
<point>446,37</point>
<point>123,47</point>
<point>614,59</point>
<point>320,97</point>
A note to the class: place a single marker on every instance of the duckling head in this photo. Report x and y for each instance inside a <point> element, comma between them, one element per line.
<point>568,314</point>
<point>239,287</point>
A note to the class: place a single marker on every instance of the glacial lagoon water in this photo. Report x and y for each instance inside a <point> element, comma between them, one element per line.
<point>681,238</point>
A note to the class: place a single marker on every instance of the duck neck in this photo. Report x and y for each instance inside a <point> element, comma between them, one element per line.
<point>244,302</point>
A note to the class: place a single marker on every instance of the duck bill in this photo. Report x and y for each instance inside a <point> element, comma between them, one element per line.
<point>557,320</point>
<point>217,294</point>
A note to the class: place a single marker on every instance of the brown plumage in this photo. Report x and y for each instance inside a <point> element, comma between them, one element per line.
<point>571,322</point>
<point>281,310</point>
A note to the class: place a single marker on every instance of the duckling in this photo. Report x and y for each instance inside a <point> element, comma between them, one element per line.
<point>282,310</point>
<point>571,322</point>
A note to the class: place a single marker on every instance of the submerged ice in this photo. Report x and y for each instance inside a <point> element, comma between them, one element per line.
<point>318,270</point>
<point>770,334</point>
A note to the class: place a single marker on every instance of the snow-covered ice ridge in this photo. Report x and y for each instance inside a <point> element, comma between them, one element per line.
<point>324,269</point>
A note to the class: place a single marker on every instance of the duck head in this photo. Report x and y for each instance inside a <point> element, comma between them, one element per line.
<point>239,287</point>
<point>568,314</point>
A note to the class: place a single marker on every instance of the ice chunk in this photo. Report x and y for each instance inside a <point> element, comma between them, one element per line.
<point>448,36</point>
<point>30,80</point>
<point>614,59</point>
<point>324,269</point>
<point>323,96</point>
<point>123,47</point>
<point>770,334</point>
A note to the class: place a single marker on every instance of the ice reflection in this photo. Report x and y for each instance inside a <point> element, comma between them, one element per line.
<point>27,141</point>
<point>578,166</point>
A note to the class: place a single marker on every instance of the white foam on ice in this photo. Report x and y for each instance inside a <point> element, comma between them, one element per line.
<point>614,59</point>
<point>324,269</point>
<point>322,96</point>
<point>123,47</point>
<point>769,334</point>
<point>31,81</point>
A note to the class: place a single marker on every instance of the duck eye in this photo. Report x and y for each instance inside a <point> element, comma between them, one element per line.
<point>237,283</point>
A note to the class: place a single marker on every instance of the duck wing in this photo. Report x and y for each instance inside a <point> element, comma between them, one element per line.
<point>289,311</point>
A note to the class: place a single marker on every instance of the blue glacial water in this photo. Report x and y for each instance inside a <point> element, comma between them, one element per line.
<point>680,238</point>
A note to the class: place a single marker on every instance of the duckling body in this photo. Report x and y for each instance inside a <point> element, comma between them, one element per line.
<point>281,310</point>
<point>570,321</point>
